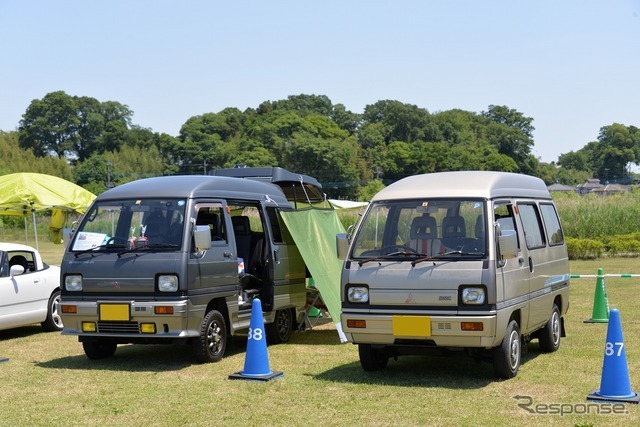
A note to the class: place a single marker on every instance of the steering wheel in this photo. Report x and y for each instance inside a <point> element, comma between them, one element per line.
<point>114,239</point>
<point>399,248</point>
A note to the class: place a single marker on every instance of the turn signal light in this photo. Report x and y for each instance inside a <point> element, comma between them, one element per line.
<point>69,309</point>
<point>472,326</point>
<point>163,309</point>
<point>356,323</point>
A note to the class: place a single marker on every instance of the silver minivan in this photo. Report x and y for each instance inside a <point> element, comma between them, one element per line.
<point>469,261</point>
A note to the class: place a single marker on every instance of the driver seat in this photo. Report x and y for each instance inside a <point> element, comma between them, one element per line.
<point>424,236</point>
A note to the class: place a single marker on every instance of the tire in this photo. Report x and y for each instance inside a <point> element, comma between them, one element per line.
<point>211,344</point>
<point>102,349</point>
<point>53,322</point>
<point>508,355</point>
<point>549,336</point>
<point>371,359</point>
<point>281,329</point>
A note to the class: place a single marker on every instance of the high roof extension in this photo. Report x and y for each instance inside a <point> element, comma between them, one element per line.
<point>299,189</point>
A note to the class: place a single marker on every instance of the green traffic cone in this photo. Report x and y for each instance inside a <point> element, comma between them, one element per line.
<point>600,303</point>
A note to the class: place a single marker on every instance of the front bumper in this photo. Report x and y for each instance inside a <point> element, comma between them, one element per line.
<point>420,329</point>
<point>129,319</point>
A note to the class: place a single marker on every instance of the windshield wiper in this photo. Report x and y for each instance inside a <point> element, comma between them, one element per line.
<point>148,247</point>
<point>96,248</point>
<point>389,256</point>
<point>444,255</point>
<point>163,246</point>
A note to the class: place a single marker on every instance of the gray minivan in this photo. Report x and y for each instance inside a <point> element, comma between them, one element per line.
<point>179,259</point>
<point>468,261</point>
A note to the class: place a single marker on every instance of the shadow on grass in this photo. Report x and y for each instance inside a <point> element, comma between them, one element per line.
<point>316,337</point>
<point>456,371</point>
<point>141,358</point>
<point>21,332</point>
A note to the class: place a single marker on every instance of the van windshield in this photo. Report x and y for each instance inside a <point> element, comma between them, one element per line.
<point>131,225</point>
<point>422,228</point>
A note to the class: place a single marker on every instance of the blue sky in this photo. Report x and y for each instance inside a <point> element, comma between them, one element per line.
<point>573,66</point>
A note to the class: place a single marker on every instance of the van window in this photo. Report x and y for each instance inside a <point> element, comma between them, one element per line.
<point>276,227</point>
<point>212,216</point>
<point>428,227</point>
<point>531,225</point>
<point>552,224</point>
<point>132,223</point>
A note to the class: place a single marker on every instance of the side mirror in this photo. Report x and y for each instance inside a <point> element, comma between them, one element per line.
<point>202,238</point>
<point>508,242</point>
<point>342,245</point>
<point>16,270</point>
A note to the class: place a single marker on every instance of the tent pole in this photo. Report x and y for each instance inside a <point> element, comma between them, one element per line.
<point>26,231</point>
<point>35,229</point>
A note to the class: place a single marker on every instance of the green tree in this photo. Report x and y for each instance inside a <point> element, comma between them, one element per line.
<point>512,135</point>
<point>49,126</point>
<point>16,159</point>
<point>330,160</point>
<point>404,122</point>
<point>73,127</point>
<point>618,145</point>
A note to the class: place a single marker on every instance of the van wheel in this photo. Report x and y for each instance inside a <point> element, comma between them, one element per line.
<point>212,342</point>
<point>372,359</point>
<point>102,349</point>
<point>281,329</point>
<point>549,336</point>
<point>53,322</point>
<point>507,356</point>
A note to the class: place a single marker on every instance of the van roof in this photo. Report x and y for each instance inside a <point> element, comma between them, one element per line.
<point>298,188</point>
<point>476,184</point>
<point>191,186</point>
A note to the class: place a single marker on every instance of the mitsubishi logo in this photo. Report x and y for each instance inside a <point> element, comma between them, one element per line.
<point>410,299</point>
<point>116,285</point>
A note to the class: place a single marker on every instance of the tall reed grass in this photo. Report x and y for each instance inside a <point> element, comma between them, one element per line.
<point>583,217</point>
<point>598,217</point>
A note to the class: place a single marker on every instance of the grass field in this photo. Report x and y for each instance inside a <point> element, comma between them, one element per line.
<point>47,379</point>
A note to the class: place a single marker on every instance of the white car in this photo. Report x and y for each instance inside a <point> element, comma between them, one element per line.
<point>29,289</point>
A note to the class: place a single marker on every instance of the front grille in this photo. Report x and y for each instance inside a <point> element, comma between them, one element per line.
<point>119,327</point>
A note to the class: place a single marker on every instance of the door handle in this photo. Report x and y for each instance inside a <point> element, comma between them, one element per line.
<point>530,265</point>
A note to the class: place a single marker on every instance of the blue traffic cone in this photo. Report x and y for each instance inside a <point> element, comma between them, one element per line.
<point>256,362</point>
<point>614,385</point>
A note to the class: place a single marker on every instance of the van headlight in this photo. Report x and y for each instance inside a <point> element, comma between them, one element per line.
<point>358,294</point>
<point>73,283</point>
<point>167,283</point>
<point>474,295</point>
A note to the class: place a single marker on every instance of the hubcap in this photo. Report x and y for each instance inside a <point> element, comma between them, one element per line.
<point>514,354</point>
<point>283,323</point>
<point>55,316</point>
<point>555,328</point>
<point>213,338</point>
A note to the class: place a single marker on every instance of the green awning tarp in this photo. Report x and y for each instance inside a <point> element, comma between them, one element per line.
<point>314,232</point>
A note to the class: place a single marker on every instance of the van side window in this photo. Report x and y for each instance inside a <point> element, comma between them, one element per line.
<point>276,228</point>
<point>552,224</point>
<point>212,217</point>
<point>503,216</point>
<point>531,225</point>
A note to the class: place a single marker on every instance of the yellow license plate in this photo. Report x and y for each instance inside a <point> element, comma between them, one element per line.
<point>411,326</point>
<point>115,312</point>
